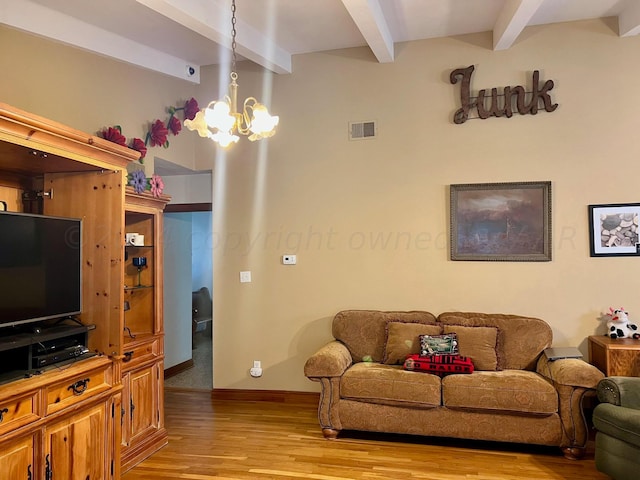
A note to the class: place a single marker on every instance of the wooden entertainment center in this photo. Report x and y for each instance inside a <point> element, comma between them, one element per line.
<point>96,416</point>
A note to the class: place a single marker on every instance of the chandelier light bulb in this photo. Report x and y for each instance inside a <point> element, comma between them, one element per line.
<point>262,123</point>
<point>224,138</point>
<point>219,116</point>
<point>199,124</point>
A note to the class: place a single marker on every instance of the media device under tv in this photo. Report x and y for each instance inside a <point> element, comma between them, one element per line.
<point>40,268</point>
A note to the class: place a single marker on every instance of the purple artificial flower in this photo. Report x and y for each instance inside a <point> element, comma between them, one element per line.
<point>138,181</point>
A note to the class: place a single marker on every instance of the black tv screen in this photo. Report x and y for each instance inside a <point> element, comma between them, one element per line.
<point>40,267</point>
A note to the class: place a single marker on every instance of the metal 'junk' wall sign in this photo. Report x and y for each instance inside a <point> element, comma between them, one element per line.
<point>525,102</point>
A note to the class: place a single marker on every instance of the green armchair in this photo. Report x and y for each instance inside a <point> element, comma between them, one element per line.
<point>617,421</point>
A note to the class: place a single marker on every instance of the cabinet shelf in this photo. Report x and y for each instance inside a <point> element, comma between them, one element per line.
<point>137,287</point>
<point>26,353</point>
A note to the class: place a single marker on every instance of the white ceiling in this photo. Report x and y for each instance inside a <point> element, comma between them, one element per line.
<point>169,36</point>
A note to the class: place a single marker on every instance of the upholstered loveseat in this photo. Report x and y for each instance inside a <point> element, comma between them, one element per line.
<point>513,395</point>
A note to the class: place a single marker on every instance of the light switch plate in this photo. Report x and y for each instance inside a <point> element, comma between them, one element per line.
<point>245,277</point>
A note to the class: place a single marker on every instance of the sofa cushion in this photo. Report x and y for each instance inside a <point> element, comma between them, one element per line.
<point>390,385</point>
<point>478,343</point>
<point>510,390</point>
<point>364,331</point>
<point>521,340</point>
<point>403,339</point>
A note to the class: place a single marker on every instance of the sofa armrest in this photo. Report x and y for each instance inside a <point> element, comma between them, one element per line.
<point>621,391</point>
<point>571,372</point>
<point>573,379</point>
<point>327,366</point>
<point>332,360</point>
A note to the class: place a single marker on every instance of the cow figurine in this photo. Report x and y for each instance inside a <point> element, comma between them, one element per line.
<point>619,326</point>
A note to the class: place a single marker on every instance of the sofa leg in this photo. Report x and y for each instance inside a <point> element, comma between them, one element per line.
<point>330,433</point>
<point>573,453</point>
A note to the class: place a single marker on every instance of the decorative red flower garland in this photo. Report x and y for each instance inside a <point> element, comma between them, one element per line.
<point>156,136</point>
<point>158,133</point>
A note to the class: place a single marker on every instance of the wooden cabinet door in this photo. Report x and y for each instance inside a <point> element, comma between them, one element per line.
<point>94,198</point>
<point>16,460</point>
<point>141,406</point>
<point>75,448</point>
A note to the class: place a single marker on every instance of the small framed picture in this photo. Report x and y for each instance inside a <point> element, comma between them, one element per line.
<point>507,222</point>
<point>613,229</point>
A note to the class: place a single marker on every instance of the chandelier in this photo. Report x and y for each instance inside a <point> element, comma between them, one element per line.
<point>222,122</point>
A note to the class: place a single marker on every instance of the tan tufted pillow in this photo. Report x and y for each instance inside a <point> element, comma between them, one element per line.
<point>478,343</point>
<point>402,340</point>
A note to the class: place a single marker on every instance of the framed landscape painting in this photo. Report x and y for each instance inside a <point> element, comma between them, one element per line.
<point>613,229</point>
<point>508,222</point>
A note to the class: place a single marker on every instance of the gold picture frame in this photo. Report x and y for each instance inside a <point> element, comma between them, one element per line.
<point>501,222</point>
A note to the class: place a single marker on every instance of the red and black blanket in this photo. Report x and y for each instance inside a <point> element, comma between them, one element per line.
<point>439,364</point>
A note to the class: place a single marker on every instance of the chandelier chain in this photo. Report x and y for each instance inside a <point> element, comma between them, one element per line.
<point>233,35</point>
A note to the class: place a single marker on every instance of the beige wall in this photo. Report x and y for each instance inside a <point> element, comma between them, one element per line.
<point>312,192</point>
<point>189,188</point>
<point>90,92</point>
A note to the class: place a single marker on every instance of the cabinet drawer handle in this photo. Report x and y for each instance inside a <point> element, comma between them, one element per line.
<point>47,471</point>
<point>127,356</point>
<point>2,412</point>
<point>79,387</point>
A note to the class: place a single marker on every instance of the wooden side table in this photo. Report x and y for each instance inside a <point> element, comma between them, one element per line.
<point>620,356</point>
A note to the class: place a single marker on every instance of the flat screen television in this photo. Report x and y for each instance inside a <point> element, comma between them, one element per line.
<point>40,268</point>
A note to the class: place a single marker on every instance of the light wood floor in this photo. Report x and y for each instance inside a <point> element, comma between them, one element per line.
<point>274,440</point>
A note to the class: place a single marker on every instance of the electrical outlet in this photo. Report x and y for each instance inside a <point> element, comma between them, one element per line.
<point>289,259</point>
<point>245,277</point>
<point>256,371</point>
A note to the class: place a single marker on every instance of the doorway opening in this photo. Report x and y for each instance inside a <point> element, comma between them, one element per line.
<point>188,300</point>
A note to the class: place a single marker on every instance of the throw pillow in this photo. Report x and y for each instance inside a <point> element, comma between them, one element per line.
<point>440,365</point>
<point>438,344</point>
<point>478,343</point>
<point>403,339</point>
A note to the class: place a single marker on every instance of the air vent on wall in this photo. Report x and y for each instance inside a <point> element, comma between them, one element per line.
<point>362,130</point>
